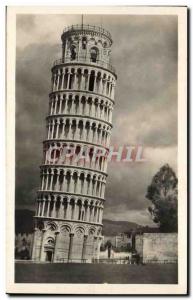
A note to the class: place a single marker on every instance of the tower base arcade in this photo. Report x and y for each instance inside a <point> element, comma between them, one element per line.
<point>63,241</point>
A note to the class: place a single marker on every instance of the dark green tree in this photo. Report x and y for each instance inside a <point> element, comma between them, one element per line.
<point>163,193</point>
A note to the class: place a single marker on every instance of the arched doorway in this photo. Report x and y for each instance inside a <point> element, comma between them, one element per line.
<point>49,249</point>
<point>49,255</point>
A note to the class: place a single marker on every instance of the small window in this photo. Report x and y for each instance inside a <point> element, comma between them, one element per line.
<point>84,42</point>
<point>93,54</point>
<point>73,52</point>
<point>50,242</point>
<point>105,44</point>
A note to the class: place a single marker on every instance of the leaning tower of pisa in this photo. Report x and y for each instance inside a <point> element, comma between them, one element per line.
<point>70,201</point>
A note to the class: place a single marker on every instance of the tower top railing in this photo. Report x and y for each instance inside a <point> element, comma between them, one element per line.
<point>85,60</point>
<point>84,27</point>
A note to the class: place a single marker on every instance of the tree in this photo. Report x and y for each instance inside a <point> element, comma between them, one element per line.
<point>163,193</point>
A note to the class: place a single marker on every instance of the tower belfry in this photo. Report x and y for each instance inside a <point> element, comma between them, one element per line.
<point>70,201</point>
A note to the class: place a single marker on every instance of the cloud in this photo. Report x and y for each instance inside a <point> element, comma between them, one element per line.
<point>145,56</point>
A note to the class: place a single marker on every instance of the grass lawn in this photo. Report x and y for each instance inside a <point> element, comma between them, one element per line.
<point>95,273</point>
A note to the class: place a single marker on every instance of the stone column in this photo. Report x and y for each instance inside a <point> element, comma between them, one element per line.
<point>76,80</point>
<point>56,246</point>
<point>54,82</point>
<point>57,128</point>
<point>43,207</point>
<point>82,81</point>
<point>86,107</point>
<point>78,184</point>
<point>48,208</point>
<point>92,109</point>
<point>52,135</point>
<point>101,215</point>
<point>113,91</point>
<point>55,106</point>
<point>65,106</point>
<point>89,133</point>
<point>99,241</point>
<point>48,135</point>
<point>63,129</point>
<point>87,83</point>
<point>83,186</point>
<point>42,245</point>
<point>71,185</point>
<point>92,214</point>
<point>99,188</point>
<point>103,112</point>
<point>96,110</point>
<point>103,189</point>
<point>94,247</point>
<point>100,85</point>
<point>60,106</point>
<point>84,247</point>
<point>57,182</point>
<point>88,213</point>
<point>68,81</point>
<point>39,207</point>
<point>47,174</point>
<point>54,158</point>
<point>105,88</point>
<point>110,115</point>
<point>94,187</point>
<point>95,214</point>
<point>94,85</point>
<point>52,106</point>
<point>33,254</point>
<point>54,209</point>
<point>63,74</point>
<point>70,246</point>
<point>51,180</point>
<point>58,81</point>
<point>89,186</point>
<point>83,137</point>
<point>42,186</point>
<point>61,211</point>
<point>68,209</point>
<point>98,214</point>
<point>64,183</point>
<point>69,134</point>
<point>75,210</point>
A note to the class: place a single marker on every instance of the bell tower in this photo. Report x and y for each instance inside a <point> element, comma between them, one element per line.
<point>70,201</point>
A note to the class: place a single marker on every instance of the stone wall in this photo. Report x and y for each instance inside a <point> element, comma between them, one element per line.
<point>157,247</point>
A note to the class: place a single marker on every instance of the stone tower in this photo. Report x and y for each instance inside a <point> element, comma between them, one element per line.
<point>70,202</point>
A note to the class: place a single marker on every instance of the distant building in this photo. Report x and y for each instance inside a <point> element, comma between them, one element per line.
<point>124,240</point>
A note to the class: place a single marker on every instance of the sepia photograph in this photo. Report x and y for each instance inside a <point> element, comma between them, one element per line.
<point>97,142</point>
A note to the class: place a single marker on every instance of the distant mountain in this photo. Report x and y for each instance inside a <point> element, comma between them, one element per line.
<point>24,224</point>
<point>111,228</point>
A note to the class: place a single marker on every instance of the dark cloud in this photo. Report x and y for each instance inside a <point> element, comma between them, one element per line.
<point>145,56</point>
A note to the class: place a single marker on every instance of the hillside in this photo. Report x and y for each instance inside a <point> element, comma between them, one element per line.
<point>111,228</point>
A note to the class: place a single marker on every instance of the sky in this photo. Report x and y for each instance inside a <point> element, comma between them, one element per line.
<point>144,53</point>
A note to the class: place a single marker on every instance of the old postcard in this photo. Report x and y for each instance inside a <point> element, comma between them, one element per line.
<point>97,150</point>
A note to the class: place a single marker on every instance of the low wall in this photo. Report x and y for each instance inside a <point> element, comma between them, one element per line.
<point>114,255</point>
<point>158,247</point>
